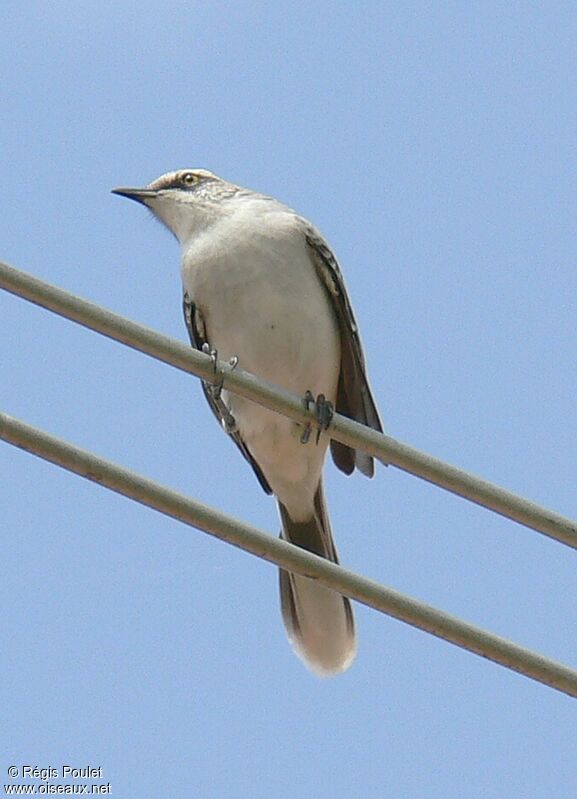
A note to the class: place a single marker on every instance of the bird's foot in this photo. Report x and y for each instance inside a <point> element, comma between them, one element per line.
<point>324,413</point>
<point>215,388</point>
<point>308,400</point>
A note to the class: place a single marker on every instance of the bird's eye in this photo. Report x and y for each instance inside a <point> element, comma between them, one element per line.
<point>188,179</point>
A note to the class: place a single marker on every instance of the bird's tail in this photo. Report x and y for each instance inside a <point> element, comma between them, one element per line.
<point>318,620</point>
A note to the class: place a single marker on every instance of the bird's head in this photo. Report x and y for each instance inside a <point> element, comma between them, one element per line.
<point>185,201</point>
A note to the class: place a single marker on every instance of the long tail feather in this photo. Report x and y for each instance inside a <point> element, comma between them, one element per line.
<point>318,620</point>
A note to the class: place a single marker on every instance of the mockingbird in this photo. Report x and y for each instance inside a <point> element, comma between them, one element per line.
<point>262,286</point>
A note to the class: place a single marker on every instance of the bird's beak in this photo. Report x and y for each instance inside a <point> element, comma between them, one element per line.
<point>140,195</point>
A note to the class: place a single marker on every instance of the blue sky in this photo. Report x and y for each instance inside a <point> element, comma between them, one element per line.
<point>434,144</point>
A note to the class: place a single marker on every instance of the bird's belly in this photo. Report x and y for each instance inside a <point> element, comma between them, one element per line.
<point>276,318</point>
<point>278,346</point>
<point>291,351</point>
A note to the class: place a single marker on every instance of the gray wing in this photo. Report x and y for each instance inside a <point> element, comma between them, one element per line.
<point>354,398</point>
<point>198,337</point>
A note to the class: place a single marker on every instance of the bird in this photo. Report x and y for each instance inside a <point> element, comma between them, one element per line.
<point>261,287</point>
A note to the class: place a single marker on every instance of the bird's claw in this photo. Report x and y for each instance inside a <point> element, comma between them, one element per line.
<point>308,400</point>
<point>215,388</point>
<point>324,413</point>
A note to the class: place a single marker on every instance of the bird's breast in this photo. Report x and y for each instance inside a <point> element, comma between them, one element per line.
<point>263,303</point>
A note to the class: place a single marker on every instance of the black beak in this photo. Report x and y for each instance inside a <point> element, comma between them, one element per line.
<point>140,195</point>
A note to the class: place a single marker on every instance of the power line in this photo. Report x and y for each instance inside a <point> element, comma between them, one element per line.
<point>288,556</point>
<point>383,447</point>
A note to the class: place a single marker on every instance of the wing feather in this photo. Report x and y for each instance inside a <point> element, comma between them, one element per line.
<point>198,336</point>
<point>354,397</point>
